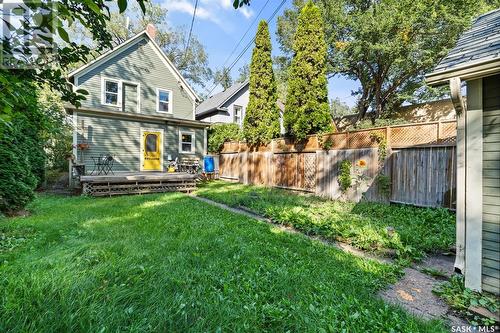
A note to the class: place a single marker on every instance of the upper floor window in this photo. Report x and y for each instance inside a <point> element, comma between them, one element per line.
<point>186,142</point>
<point>163,101</point>
<point>111,92</point>
<point>237,113</point>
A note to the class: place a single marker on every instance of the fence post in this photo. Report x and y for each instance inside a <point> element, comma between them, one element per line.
<point>438,131</point>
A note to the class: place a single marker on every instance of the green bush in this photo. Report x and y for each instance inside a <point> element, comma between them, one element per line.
<point>220,133</point>
<point>345,178</point>
<point>23,142</point>
<point>18,170</point>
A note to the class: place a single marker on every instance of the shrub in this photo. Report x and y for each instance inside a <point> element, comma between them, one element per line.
<point>23,138</point>
<point>17,166</point>
<point>345,178</point>
<point>261,123</point>
<point>307,110</point>
<point>220,133</point>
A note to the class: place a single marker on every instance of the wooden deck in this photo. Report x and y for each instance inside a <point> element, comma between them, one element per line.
<point>122,183</point>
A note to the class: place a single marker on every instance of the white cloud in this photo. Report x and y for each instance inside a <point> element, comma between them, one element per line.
<point>247,12</point>
<point>210,10</point>
<point>185,6</point>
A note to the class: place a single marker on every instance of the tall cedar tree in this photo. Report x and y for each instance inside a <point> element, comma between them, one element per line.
<point>261,123</point>
<point>306,109</point>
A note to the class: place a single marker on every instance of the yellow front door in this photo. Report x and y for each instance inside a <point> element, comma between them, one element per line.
<point>152,150</point>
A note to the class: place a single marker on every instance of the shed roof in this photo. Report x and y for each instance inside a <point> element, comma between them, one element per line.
<point>476,53</point>
<point>217,101</point>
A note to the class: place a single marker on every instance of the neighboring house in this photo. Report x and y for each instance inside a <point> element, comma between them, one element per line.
<point>229,106</point>
<point>440,110</point>
<point>476,61</point>
<point>139,109</point>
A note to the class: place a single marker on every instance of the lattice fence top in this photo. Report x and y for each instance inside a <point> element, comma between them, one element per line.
<point>420,134</point>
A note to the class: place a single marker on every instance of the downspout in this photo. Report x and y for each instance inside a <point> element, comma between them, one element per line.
<point>459,105</point>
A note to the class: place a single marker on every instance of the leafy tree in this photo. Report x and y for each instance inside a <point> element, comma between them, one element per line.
<point>261,123</point>
<point>223,77</point>
<point>244,73</point>
<point>386,45</point>
<point>306,108</point>
<point>339,108</point>
<point>42,24</point>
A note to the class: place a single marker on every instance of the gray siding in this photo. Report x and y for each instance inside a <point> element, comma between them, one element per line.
<point>139,63</point>
<point>122,138</point>
<point>491,185</point>
<point>240,98</point>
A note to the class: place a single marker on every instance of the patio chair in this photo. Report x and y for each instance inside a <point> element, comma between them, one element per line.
<point>103,164</point>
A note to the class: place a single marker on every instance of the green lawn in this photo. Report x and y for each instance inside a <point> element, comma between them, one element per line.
<point>410,231</point>
<point>168,263</point>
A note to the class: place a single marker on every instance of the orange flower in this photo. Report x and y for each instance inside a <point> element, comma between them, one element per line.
<point>362,163</point>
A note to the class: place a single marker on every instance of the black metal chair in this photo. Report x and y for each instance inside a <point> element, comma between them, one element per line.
<point>103,164</point>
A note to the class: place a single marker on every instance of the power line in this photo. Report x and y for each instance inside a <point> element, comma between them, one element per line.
<point>190,29</point>
<point>245,49</point>
<point>245,34</point>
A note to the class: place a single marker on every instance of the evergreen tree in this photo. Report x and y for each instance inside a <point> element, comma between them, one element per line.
<point>261,123</point>
<point>306,108</point>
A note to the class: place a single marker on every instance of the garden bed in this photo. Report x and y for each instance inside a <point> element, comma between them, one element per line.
<point>407,232</point>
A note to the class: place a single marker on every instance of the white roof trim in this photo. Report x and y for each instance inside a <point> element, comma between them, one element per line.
<point>122,47</point>
<point>232,95</point>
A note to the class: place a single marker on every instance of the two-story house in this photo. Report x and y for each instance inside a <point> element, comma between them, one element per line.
<point>139,109</point>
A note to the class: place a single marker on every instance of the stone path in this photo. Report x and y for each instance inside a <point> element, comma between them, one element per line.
<point>413,292</point>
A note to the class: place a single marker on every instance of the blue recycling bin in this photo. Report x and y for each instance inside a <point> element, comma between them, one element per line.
<point>208,164</point>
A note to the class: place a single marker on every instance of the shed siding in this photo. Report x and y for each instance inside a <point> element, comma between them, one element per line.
<point>491,185</point>
<point>122,138</point>
<point>139,63</point>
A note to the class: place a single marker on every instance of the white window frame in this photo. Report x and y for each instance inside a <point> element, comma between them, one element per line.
<point>193,142</point>
<point>234,113</point>
<point>103,92</point>
<point>170,100</point>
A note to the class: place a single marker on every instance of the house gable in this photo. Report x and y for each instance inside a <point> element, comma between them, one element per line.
<point>140,65</point>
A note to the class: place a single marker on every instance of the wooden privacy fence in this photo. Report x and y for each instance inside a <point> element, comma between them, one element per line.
<point>421,164</point>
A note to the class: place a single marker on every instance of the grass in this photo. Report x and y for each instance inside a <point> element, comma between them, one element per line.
<point>168,263</point>
<point>410,231</point>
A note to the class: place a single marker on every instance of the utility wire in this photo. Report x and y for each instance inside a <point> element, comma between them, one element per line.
<point>245,34</point>
<point>190,29</point>
<point>248,45</point>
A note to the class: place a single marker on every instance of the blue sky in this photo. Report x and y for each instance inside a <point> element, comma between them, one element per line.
<point>219,27</point>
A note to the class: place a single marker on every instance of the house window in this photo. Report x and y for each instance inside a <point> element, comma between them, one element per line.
<point>164,101</point>
<point>111,92</point>
<point>151,140</point>
<point>186,142</point>
<point>237,113</point>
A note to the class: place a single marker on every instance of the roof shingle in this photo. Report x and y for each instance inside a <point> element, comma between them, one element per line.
<point>216,101</point>
<point>478,44</point>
